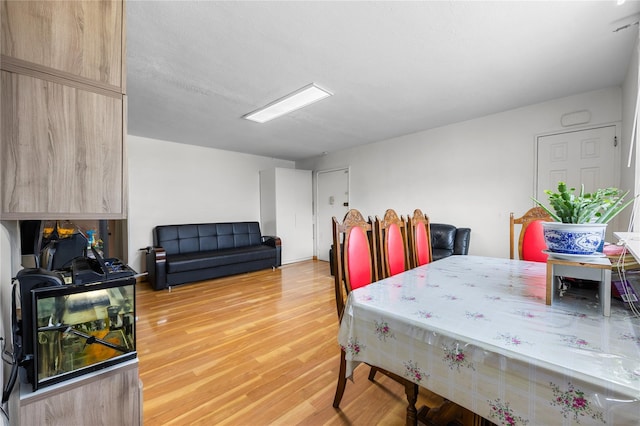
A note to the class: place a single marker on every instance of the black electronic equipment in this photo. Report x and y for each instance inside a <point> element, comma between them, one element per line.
<point>31,279</point>
<point>88,270</point>
<point>60,254</point>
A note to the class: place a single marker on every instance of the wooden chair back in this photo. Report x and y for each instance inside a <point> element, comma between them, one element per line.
<point>391,234</point>
<point>354,255</point>
<point>419,239</point>
<point>531,241</point>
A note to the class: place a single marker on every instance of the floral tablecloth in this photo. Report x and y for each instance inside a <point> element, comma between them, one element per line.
<point>476,330</point>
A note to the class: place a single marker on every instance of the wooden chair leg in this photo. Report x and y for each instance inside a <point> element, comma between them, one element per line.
<point>372,373</point>
<point>411,389</point>
<point>448,413</point>
<point>342,380</point>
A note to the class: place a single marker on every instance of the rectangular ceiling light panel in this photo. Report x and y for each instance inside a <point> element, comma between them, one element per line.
<point>293,101</point>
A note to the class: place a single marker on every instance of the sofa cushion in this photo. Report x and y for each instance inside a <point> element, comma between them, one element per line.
<point>210,259</point>
<point>437,254</point>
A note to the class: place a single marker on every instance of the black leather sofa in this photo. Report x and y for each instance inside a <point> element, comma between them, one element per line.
<point>196,252</point>
<point>446,240</point>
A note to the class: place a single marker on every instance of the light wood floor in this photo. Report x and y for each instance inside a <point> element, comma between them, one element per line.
<point>254,349</point>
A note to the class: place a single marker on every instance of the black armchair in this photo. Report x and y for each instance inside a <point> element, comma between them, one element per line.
<point>447,240</point>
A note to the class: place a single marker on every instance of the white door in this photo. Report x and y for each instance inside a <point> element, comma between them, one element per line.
<point>332,200</point>
<point>586,157</point>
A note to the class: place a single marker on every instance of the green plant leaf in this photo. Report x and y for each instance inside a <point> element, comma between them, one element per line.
<point>600,206</point>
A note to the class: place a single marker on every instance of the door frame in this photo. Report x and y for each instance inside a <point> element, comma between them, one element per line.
<point>617,154</point>
<point>315,202</point>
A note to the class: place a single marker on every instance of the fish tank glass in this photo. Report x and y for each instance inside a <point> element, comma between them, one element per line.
<point>82,328</point>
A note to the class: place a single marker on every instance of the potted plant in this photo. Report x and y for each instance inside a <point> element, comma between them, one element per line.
<point>580,220</point>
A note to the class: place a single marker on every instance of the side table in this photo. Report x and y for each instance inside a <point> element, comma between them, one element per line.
<point>597,269</point>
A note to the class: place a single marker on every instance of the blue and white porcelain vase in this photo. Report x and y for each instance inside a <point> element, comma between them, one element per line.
<point>574,238</point>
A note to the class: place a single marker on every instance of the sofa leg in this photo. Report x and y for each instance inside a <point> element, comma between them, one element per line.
<point>273,268</point>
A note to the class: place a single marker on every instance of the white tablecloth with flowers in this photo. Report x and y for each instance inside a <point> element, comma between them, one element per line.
<point>476,330</point>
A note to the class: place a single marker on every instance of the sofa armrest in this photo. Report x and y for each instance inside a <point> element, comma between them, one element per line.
<point>461,245</point>
<point>273,241</point>
<point>156,267</point>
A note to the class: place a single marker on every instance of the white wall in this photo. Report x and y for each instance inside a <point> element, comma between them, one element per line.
<point>9,266</point>
<point>629,99</point>
<point>469,174</point>
<point>172,183</point>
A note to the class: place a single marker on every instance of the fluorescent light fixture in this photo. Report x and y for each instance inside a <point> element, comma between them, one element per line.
<point>293,101</point>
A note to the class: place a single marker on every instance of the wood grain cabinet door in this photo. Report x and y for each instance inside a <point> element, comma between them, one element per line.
<point>81,38</point>
<point>61,150</point>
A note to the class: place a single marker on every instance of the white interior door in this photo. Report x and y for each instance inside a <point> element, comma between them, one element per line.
<point>586,157</point>
<point>332,200</point>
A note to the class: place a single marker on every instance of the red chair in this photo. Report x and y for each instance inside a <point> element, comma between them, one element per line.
<point>391,233</point>
<point>354,253</point>
<point>419,238</point>
<point>531,241</point>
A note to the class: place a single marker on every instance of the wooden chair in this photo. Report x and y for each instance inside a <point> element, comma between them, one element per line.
<point>354,255</point>
<point>391,234</point>
<point>354,242</point>
<point>419,239</point>
<point>531,241</point>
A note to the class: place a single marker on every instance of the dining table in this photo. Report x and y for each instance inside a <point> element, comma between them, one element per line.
<point>477,331</point>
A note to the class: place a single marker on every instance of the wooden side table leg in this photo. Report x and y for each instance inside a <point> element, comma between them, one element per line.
<point>550,282</point>
<point>605,292</point>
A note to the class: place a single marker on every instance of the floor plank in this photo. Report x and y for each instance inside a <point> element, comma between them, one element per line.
<point>254,349</point>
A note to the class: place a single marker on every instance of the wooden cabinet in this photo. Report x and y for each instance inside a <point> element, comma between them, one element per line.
<point>63,104</point>
<point>83,39</point>
<point>106,397</point>
<point>286,211</point>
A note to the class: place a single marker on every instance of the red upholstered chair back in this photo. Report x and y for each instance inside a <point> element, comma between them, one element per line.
<point>419,239</point>
<point>391,233</point>
<point>531,241</point>
<point>357,258</point>
<point>395,249</point>
<point>354,255</point>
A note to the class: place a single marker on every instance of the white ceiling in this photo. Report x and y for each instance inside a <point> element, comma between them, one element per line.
<point>196,67</point>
